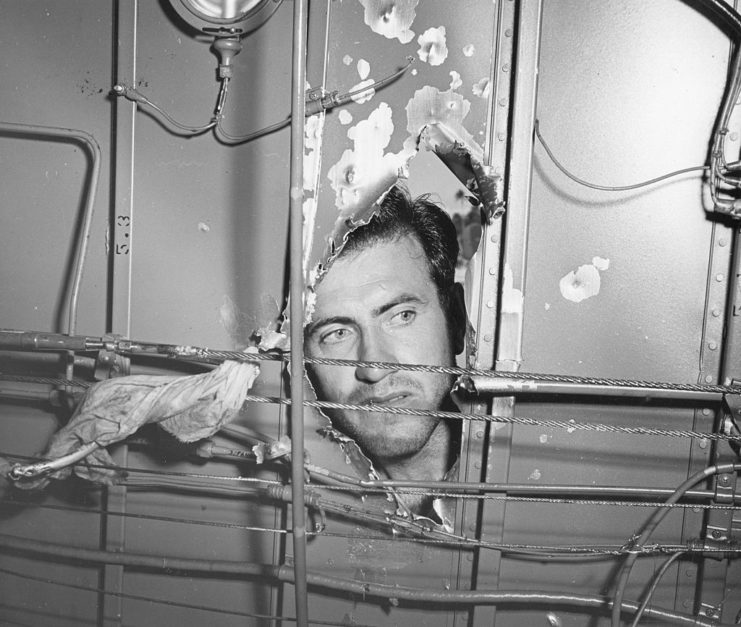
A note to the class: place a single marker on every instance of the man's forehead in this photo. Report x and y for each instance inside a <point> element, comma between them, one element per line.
<point>399,259</point>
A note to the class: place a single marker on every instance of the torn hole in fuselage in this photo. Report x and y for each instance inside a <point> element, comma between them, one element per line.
<point>451,174</point>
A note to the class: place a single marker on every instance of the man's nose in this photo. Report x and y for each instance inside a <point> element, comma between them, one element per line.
<point>374,348</point>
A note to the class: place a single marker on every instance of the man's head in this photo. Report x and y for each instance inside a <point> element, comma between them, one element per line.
<point>390,296</point>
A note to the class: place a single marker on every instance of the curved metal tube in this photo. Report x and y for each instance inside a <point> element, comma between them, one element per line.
<point>77,136</point>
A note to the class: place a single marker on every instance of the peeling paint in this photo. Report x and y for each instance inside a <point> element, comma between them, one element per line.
<point>512,298</point>
<point>431,106</point>
<point>455,80</point>
<point>584,282</point>
<point>432,46</point>
<point>391,18</point>
<point>482,88</point>
<point>468,50</point>
<point>601,263</point>
<point>313,132</point>
<point>365,172</point>
<point>345,117</point>
<point>365,95</point>
<point>363,69</point>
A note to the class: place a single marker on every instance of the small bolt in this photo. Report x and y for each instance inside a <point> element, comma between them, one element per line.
<point>508,32</point>
<point>490,304</point>
<point>716,534</point>
<point>493,270</point>
<point>505,67</point>
<point>501,136</point>
<point>712,346</point>
<point>705,412</point>
<point>703,443</point>
<point>722,241</point>
<point>503,102</point>
<point>487,338</point>
<point>494,239</point>
<point>708,379</point>
<point>723,480</point>
<point>716,313</point>
<point>479,435</point>
<point>720,278</point>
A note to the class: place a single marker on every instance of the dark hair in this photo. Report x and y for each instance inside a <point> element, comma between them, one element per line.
<point>398,215</point>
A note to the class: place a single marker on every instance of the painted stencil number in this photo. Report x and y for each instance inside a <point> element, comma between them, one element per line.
<point>123,221</point>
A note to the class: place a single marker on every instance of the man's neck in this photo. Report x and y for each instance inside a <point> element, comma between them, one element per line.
<point>429,464</point>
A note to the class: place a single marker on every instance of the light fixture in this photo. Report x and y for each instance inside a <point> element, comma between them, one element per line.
<point>225,18</point>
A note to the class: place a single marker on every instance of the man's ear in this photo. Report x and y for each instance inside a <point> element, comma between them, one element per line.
<point>457,317</point>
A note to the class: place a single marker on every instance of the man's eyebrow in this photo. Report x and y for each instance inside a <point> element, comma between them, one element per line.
<point>401,299</point>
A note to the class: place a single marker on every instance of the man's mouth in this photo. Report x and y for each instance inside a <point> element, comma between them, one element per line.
<point>387,399</point>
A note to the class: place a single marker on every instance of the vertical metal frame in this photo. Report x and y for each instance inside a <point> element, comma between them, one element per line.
<point>511,148</point>
<point>113,529</point>
<point>499,340</point>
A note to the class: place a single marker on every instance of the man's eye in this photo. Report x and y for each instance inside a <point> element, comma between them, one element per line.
<point>335,336</point>
<point>404,317</point>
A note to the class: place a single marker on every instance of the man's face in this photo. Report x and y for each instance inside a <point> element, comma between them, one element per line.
<point>379,304</point>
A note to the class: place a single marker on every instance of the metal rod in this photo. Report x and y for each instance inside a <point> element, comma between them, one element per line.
<point>508,387</point>
<point>298,110</point>
<point>87,140</point>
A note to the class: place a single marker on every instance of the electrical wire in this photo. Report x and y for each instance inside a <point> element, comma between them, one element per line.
<point>364,588</point>
<point>134,95</point>
<point>650,525</point>
<point>652,588</point>
<point>609,188</point>
<point>179,604</point>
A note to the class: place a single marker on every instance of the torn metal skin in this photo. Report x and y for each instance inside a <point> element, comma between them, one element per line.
<point>466,162</point>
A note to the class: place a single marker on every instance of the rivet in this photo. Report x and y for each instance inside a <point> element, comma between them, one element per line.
<point>493,270</point>
<point>689,572</point>
<point>722,241</point>
<point>505,67</point>
<point>705,412</point>
<point>487,338</point>
<point>479,435</point>
<point>708,379</point>
<point>469,557</point>
<point>494,239</point>
<point>501,136</point>
<point>716,533</point>
<point>733,136</point>
<point>490,304</point>
<point>503,102</point>
<point>508,32</point>
<point>712,346</point>
<point>477,465</point>
<point>716,313</point>
<point>472,527</point>
<point>703,443</point>
<point>719,278</point>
